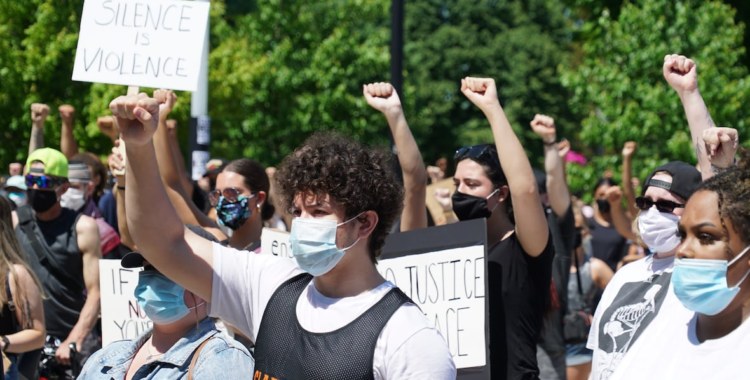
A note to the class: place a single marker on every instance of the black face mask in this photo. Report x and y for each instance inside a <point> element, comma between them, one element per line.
<point>469,207</point>
<point>42,200</point>
<point>603,205</point>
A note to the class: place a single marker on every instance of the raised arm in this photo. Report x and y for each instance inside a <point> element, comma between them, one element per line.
<point>154,224</point>
<point>39,113</point>
<point>68,144</point>
<point>90,245</point>
<point>627,176</point>
<point>721,145</point>
<point>174,145</point>
<point>117,165</point>
<point>383,97</point>
<point>531,224</point>
<point>557,188</point>
<point>681,73</point>
<point>170,170</point>
<point>107,127</point>
<point>622,223</point>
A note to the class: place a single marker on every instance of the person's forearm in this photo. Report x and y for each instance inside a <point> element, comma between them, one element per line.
<point>26,340</point>
<point>87,319</point>
<point>627,186</point>
<point>68,143</point>
<point>37,137</point>
<point>414,215</point>
<point>180,158</point>
<point>699,119</point>
<point>513,160</point>
<point>122,219</point>
<point>168,167</point>
<point>152,219</point>
<point>557,188</point>
<point>622,223</point>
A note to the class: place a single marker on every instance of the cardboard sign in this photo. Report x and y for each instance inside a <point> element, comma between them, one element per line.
<point>122,317</point>
<point>150,43</point>
<point>275,242</point>
<point>444,271</point>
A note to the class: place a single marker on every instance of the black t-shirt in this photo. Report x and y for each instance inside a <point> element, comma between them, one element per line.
<point>518,294</point>
<point>608,245</point>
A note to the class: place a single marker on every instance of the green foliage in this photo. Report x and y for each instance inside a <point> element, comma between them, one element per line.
<point>620,88</point>
<point>519,43</point>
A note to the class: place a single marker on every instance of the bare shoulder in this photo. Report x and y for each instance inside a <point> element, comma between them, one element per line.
<point>86,225</point>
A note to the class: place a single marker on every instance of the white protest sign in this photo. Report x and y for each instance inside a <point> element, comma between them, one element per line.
<point>275,242</point>
<point>449,287</point>
<point>150,43</point>
<point>122,317</point>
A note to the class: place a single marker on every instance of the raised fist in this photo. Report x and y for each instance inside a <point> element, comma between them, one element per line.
<point>443,197</point>
<point>167,99</point>
<point>137,116</point>
<point>681,73</point>
<point>721,146</point>
<point>544,126</point>
<point>67,113</point>
<point>117,163</point>
<point>382,97</point>
<point>563,147</point>
<point>435,174</point>
<point>481,91</point>
<point>39,112</point>
<point>614,195</point>
<point>629,149</point>
<point>107,127</point>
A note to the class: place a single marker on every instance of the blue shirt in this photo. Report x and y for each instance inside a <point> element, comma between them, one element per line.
<point>222,357</point>
<point>108,207</point>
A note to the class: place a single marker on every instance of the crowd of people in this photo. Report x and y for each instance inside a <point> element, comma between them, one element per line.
<point>647,281</point>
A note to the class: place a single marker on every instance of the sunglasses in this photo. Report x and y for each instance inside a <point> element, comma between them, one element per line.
<point>482,152</point>
<point>230,194</point>
<point>43,181</point>
<point>644,204</point>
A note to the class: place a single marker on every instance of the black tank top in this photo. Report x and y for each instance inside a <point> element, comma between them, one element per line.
<point>65,296</point>
<point>8,324</point>
<point>286,351</point>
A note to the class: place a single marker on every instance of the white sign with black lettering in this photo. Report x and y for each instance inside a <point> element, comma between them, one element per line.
<point>275,242</point>
<point>449,288</point>
<point>149,43</point>
<point>122,317</point>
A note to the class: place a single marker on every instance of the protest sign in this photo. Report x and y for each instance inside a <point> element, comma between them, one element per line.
<point>122,317</point>
<point>275,242</point>
<point>444,271</point>
<point>151,43</point>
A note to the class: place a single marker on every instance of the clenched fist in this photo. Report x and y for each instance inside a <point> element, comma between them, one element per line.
<point>443,197</point>
<point>629,149</point>
<point>721,146</point>
<point>167,99</point>
<point>614,195</point>
<point>544,126</point>
<point>107,126</point>
<point>137,116</point>
<point>39,112</point>
<point>681,73</point>
<point>481,91</point>
<point>382,97</point>
<point>67,113</point>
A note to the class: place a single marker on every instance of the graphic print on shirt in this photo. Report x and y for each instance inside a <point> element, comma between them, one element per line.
<point>634,307</point>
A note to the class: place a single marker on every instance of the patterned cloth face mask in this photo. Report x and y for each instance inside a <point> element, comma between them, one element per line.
<point>233,215</point>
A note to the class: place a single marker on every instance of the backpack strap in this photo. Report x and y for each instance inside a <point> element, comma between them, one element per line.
<point>195,358</point>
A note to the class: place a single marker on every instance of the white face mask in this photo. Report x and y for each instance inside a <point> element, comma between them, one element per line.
<point>73,199</point>
<point>659,230</point>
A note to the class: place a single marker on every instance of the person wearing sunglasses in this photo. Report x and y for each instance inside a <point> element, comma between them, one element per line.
<point>240,201</point>
<point>63,248</point>
<point>491,181</point>
<point>184,342</point>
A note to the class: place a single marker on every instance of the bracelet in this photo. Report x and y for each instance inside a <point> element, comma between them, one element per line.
<point>6,341</point>
<point>121,188</point>
<point>554,142</point>
<point>717,170</point>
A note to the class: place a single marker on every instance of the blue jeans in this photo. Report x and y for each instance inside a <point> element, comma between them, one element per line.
<point>11,373</point>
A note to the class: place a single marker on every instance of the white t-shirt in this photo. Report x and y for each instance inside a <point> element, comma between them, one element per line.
<point>407,348</point>
<point>673,352</point>
<point>629,309</point>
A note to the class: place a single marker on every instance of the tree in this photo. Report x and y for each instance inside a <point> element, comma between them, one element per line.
<point>620,90</point>
<point>519,43</point>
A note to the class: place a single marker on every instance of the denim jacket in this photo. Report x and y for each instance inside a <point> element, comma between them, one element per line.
<point>222,357</point>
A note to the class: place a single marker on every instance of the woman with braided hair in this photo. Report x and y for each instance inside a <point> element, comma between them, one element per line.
<point>711,280</point>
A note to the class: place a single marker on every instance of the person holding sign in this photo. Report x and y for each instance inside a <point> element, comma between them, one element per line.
<point>329,314</point>
<point>184,343</point>
<point>491,181</point>
<point>22,316</point>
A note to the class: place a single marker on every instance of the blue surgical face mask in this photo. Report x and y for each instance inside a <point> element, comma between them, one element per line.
<point>161,298</point>
<point>314,244</point>
<point>701,285</point>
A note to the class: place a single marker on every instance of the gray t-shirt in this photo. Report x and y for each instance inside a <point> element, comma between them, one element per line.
<point>575,300</point>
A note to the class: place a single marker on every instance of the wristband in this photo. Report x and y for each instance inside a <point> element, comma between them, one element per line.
<point>6,341</point>
<point>551,143</point>
<point>717,170</point>
<point>121,188</point>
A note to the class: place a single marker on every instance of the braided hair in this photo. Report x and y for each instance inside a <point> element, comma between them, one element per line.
<point>733,190</point>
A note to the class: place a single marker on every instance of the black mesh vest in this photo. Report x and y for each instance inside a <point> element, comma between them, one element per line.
<point>286,351</point>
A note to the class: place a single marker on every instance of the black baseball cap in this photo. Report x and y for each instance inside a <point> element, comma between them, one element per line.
<point>685,179</point>
<point>135,259</point>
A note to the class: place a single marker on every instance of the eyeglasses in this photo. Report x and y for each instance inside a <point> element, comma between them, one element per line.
<point>482,152</point>
<point>43,181</point>
<point>662,205</point>
<point>230,194</point>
